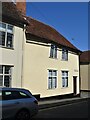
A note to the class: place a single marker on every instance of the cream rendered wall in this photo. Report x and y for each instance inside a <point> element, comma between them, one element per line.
<point>36,63</point>
<point>13,57</point>
<point>85,77</point>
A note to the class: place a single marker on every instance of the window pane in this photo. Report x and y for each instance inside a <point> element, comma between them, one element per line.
<point>7,81</point>
<point>10,29</point>
<point>2,25</point>
<point>64,78</point>
<point>66,82</point>
<point>54,73</point>
<point>64,54</point>
<point>66,74</point>
<point>63,82</point>
<point>53,51</point>
<point>54,82</point>
<point>9,40</point>
<point>7,95</point>
<point>50,72</point>
<point>1,80</point>
<point>50,83</point>
<point>2,38</point>
<point>23,95</point>
<point>10,95</point>
<point>7,69</point>
<point>63,73</point>
<point>1,69</point>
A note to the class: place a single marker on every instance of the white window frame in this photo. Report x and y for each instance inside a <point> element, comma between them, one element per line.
<point>64,79</point>
<point>3,74</point>
<point>6,31</point>
<point>53,51</point>
<point>52,79</point>
<point>64,54</point>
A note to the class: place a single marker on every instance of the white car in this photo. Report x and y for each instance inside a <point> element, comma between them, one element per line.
<point>17,103</point>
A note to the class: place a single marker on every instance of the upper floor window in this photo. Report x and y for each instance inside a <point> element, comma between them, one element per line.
<point>52,79</point>
<point>53,51</point>
<point>64,54</point>
<point>6,35</point>
<point>5,75</point>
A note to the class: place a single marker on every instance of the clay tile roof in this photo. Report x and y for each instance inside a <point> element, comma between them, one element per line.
<point>85,57</point>
<point>42,30</point>
<point>11,14</point>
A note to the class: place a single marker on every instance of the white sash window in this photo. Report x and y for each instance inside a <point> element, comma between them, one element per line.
<point>52,79</point>
<point>6,35</point>
<point>5,76</point>
<point>53,51</point>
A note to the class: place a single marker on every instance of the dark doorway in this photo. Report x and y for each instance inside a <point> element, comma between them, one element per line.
<point>74,85</point>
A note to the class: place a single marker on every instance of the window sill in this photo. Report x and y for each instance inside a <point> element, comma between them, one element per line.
<point>63,60</point>
<point>51,88</point>
<point>6,47</point>
<point>53,58</point>
<point>64,87</point>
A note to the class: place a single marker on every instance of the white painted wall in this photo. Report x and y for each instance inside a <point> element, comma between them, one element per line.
<point>35,70</point>
<point>31,63</point>
<point>13,57</point>
<point>85,77</point>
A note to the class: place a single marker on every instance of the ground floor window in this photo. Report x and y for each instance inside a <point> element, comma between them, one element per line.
<point>64,78</point>
<point>52,79</point>
<point>5,75</point>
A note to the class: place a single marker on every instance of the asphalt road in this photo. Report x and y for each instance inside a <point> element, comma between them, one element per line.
<point>75,110</point>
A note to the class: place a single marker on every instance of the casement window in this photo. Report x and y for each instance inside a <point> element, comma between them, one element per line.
<point>64,54</point>
<point>6,35</point>
<point>5,75</point>
<point>52,79</point>
<point>64,78</point>
<point>53,51</point>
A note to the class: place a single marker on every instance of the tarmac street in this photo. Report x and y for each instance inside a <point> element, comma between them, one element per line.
<point>61,109</point>
<point>73,110</point>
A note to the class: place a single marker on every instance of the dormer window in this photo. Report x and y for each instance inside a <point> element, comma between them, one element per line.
<point>53,51</point>
<point>64,54</point>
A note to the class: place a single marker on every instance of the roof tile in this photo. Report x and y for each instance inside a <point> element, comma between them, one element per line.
<point>42,30</point>
<point>85,56</point>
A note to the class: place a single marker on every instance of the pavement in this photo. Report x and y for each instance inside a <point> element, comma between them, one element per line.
<point>43,104</point>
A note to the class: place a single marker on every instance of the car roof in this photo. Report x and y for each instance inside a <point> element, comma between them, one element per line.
<point>16,89</point>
